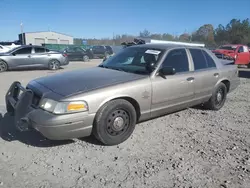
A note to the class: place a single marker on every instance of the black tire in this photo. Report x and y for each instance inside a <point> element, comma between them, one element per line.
<point>54,64</point>
<point>3,66</point>
<point>114,122</point>
<point>217,101</point>
<point>85,58</point>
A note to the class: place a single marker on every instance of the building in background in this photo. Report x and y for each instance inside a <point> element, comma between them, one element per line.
<point>45,37</point>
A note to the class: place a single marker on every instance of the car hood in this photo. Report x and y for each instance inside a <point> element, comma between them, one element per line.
<point>79,81</point>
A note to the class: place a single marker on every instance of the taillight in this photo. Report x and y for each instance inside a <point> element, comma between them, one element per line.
<point>65,55</point>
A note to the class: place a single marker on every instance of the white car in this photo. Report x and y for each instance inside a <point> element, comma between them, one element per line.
<point>4,49</point>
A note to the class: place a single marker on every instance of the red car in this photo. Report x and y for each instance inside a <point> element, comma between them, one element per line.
<point>238,52</point>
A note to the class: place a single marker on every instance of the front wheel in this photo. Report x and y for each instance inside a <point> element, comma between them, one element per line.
<point>85,58</point>
<point>217,101</point>
<point>54,65</point>
<point>115,122</point>
<point>3,66</point>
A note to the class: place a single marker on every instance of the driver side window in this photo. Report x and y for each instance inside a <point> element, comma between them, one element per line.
<point>240,49</point>
<point>23,51</point>
<point>177,59</point>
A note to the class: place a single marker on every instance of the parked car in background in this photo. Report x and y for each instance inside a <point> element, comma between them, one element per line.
<point>101,51</point>
<point>78,53</point>
<point>139,83</point>
<point>237,52</point>
<point>109,50</point>
<point>32,56</point>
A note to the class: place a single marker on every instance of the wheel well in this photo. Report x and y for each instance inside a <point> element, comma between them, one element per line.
<point>134,103</point>
<point>5,62</point>
<point>55,60</point>
<point>227,83</point>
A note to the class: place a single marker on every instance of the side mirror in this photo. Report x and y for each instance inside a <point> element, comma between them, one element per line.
<point>164,71</point>
<point>13,54</point>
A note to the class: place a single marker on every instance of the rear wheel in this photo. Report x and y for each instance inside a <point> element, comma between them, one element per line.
<point>115,122</point>
<point>3,66</point>
<point>217,101</point>
<point>54,65</point>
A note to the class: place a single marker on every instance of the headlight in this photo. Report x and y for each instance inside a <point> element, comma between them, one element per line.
<point>63,107</point>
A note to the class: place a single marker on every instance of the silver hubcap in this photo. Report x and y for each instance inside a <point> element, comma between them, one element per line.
<point>54,65</point>
<point>219,96</point>
<point>2,66</point>
<point>85,58</point>
<point>118,123</point>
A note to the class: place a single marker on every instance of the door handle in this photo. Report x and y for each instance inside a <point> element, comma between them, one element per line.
<point>190,79</point>
<point>29,55</point>
<point>48,55</point>
<point>216,74</point>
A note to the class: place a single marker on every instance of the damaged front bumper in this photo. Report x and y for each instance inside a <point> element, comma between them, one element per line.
<point>23,104</point>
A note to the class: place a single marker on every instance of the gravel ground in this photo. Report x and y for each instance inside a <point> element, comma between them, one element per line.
<point>191,148</point>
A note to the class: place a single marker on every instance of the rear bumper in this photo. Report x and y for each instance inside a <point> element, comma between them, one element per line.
<point>54,127</point>
<point>64,61</point>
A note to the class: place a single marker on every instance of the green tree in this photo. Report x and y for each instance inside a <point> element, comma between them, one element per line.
<point>204,34</point>
<point>145,33</point>
<point>185,37</point>
<point>156,36</point>
<point>167,36</point>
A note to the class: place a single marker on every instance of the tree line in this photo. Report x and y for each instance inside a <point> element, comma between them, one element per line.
<point>235,32</point>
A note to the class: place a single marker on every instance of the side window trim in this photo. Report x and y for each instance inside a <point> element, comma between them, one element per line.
<point>188,58</point>
<point>208,68</point>
<point>22,49</point>
<point>34,50</point>
<point>192,62</point>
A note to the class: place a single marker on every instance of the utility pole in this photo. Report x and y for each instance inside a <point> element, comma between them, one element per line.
<point>21,26</point>
<point>113,38</point>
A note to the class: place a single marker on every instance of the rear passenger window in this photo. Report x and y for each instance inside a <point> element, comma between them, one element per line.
<point>209,59</point>
<point>39,50</point>
<point>198,59</point>
<point>177,59</point>
<point>241,49</point>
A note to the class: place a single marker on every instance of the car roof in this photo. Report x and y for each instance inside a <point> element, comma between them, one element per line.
<point>165,46</point>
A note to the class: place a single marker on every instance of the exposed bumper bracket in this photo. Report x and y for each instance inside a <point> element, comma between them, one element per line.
<point>19,104</point>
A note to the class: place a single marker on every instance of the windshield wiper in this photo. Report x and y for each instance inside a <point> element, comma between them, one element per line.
<point>140,72</point>
<point>114,68</point>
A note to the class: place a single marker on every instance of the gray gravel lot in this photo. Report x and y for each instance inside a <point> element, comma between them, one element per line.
<point>190,148</point>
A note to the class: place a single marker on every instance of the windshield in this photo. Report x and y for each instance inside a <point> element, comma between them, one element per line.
<point>228,47</point>
<point>138,60</point>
